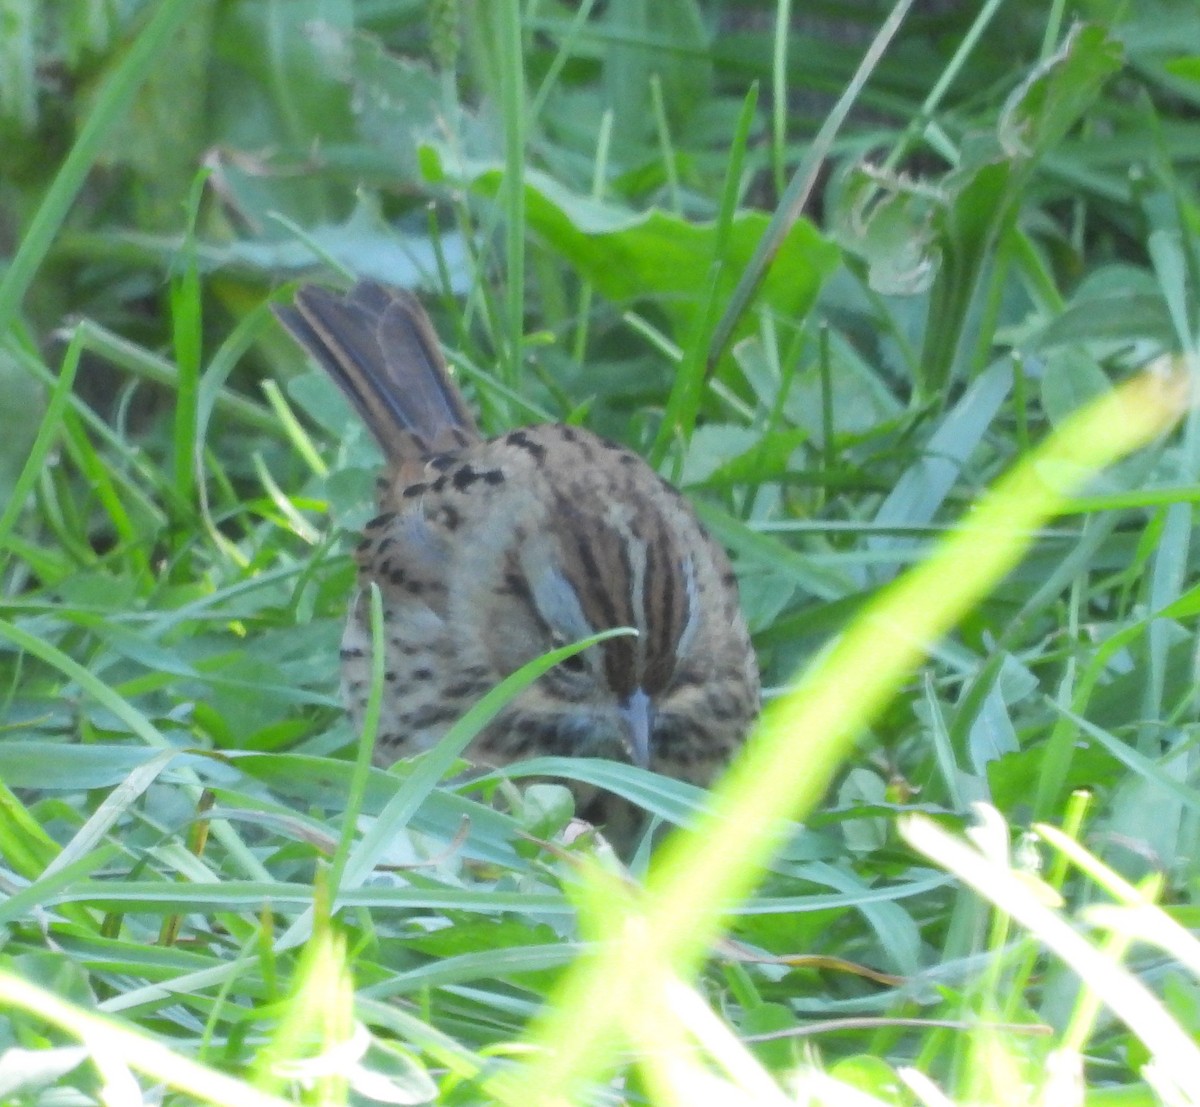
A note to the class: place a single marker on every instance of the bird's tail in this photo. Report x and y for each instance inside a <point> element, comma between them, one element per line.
<point>380,347</point>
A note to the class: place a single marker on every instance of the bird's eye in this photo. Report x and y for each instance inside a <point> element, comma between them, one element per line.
<point>573,664</point>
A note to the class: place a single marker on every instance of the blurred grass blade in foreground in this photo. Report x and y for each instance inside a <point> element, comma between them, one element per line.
<point>803,738</point>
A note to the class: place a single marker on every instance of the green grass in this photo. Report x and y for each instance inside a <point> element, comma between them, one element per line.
<point>852,277</point>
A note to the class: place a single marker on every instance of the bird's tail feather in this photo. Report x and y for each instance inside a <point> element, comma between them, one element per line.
<point>378,344</point>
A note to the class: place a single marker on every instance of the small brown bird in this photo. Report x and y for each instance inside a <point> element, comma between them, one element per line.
<point>489,552</point>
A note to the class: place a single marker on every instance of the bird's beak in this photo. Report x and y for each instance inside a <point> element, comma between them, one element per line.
<point>638,715</point>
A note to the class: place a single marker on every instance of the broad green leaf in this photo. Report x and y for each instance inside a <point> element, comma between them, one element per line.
<point>655,256</point>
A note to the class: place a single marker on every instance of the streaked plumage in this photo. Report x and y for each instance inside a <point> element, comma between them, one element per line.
<point>489,552</point>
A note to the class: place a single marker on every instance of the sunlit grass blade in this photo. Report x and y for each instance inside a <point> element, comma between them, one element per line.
<point>789,762</point>
<point>138,1051</point>
<point>438,761</point>
<point>1174,1053</point>
<point>137,722</point>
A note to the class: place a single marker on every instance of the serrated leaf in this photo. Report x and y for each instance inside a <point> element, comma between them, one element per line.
<point>1050,101</point>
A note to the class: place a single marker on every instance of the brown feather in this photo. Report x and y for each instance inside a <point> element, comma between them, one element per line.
<point>380,347</point>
